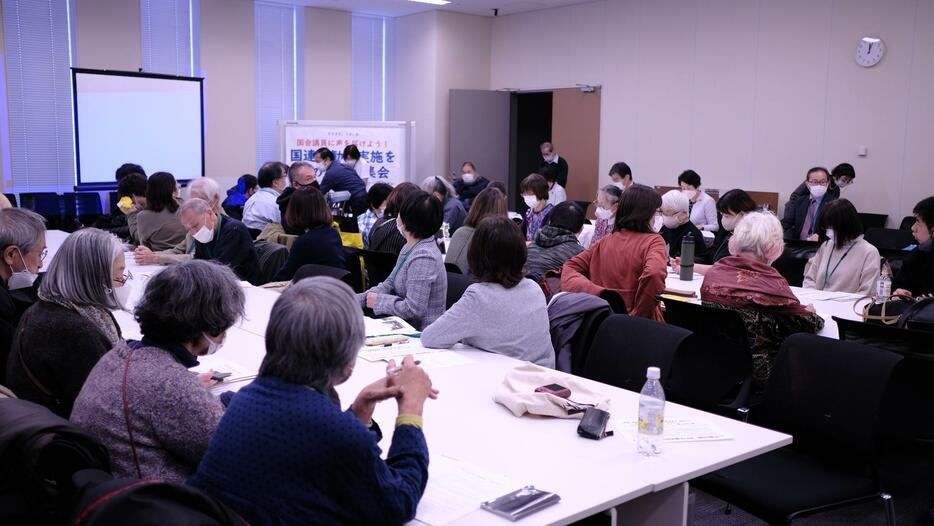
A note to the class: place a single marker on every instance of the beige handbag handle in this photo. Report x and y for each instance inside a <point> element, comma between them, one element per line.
<point>887,320</point>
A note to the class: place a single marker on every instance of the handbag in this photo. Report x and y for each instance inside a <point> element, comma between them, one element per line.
<point>918,316</point>
<point>890,310</point>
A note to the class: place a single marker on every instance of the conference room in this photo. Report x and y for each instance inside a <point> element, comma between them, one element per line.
<point>466,262</point>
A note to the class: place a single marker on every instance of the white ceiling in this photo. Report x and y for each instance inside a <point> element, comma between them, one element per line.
<point>405,7</point>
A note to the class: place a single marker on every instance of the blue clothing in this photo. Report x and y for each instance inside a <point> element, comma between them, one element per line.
<point>319,246</point>
<point>454,214</point>
<point>285,454</point>
<point>342,178</point>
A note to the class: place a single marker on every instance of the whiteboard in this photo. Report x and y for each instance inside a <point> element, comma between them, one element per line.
<point>387,146</point>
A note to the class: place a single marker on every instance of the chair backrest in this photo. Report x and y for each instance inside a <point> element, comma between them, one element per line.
<point>452,268</point>
<point>271,257</point>
<point>793,259</point>
<point>625,346</point>
<point>827,394</point>
<point>457,284</point>
<point>378,265</point>
<point>889,238</point>
<point>311,270</point>
<point>12,198</point>
<point>234,211</point>
<point>714,369</point>
<point>49,205</point>
<point>906,223</point>
<point>584,338</point>
<point>617,303</point>
<point>872,220</point>
<point>890,338</point>
<point>353,263</point>
<point>82,208</point>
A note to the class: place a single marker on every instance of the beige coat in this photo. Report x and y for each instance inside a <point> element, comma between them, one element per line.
<point>856,273</point>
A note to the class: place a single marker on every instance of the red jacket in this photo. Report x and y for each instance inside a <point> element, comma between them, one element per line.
<point>631,263</point>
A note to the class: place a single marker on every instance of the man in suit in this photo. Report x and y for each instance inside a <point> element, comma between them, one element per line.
<point>802,223</point>
<point>553,161</point>
<point>840,177</point>
<point>341,178</point>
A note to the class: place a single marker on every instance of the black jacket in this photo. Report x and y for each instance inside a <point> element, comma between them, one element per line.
<point>802,191</point>
<point>794,222</point>
<point>232,246</point>
<point>318,246</point>
<point>561,170</point>
<point>466,193</point>
<point>917,272</point>
<point>673,238</point>
<point>12,306</point>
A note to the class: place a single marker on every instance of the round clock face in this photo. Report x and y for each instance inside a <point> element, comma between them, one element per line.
<point>869,51</point>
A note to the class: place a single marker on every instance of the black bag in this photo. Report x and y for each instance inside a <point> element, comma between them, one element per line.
<point>904,312</point>
<point>919,316</point>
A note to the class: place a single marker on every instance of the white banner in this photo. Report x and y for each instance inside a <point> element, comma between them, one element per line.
<point>386,146</point>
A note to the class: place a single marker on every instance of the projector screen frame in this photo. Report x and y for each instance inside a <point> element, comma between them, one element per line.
<point>112,185</point>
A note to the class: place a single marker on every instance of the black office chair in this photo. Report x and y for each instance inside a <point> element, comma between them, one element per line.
<point>112,199</point>
<point>827,394</point>
<point>12,199</point>
<point>353,263</point>
<point>793,260</point>
<point>311,270</point>
<point>452,268</point>
<point>907,223</point>
<point>81,209</point>
<point>49,205</point>
<point>378,265</point>
<point>872,220</point>
<point>584,338</point>
<point>889,238</point>
<point>617,303</point>
<point>716,372</point>
<point>457,284</point>
<point>625,346</point>
<point>234,211</point>
<point>271,257</point>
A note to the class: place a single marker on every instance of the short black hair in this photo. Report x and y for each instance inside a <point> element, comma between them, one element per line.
<point>497,252</point>
<point>377,194</point>
<point>470,164</point>
<point>637,207</point>
<point>351,152</point>
<point>549,172</point>
<point>422,214</point>
<point>268,174</point>
<point>535,184</point>
<point>247,182</point>
<point>689,177</point>
<point>307,209</point>
<point>841,216</point>
<point>925,211</point>
<point>127,169</point>
<point>621,169</point>
<point>160,193</point>
<point>843,170</point>
<point>567,215</point>
<point>736,201</point>
<point>817,169</point>
<point>132,184</point>
<point>325,154</point>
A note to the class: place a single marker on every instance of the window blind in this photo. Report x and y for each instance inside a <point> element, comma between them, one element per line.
<point>278,74</point>
<point>168,29</point>
<point>370,40</point>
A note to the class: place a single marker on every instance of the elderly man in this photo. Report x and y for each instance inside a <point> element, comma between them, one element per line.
<point>341,178</point>
<point>800,219</point>
<point>22,247</point>
<point>261,208</point>
<point>219,238</point>
<point>551,160</point>
<point>677,225</point>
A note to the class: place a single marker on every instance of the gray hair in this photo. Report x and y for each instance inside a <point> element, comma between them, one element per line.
<point>675,201</point>
<point>435,184</point>
<point>612,193</point>
<point>314,332</point>
<point>207,189</point>
<point>183,301</point>
<point>295,166</point>
<point>20,228</point>
<point>199,206</point>
<point>82,270</point>
<point>759,234</point>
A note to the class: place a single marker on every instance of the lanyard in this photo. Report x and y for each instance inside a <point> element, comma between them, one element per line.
<point>827,271</point>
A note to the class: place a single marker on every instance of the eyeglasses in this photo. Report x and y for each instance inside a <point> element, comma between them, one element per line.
<point>45,252</point>
<point>127,276</point>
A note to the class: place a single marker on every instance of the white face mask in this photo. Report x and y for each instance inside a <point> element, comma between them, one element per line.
<point>400,227</point>
<point>213,346</point>
<point>670,222</point>
<point>122,295</point>
<point>603,213</point>
<point>530,201</point>
<point>620,185</point>
<point>351,163</point>
<point>830,234</point>
<point>205,235</point>
<point>22,279</point>
<point>817,190</point>
<point>729,222</point>
<point>548,158</point>
<point>469,178</point>
<point>841,183</point>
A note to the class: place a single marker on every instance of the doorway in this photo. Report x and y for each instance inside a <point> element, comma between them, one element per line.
<point>530,126</point>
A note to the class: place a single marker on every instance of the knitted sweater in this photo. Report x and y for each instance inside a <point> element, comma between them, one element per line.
<point>285,454</point>
<point>552,247</point>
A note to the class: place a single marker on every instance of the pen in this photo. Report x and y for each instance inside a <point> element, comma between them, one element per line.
<point>392,371</point>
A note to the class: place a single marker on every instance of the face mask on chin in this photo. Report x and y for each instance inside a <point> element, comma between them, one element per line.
<point>22,279</point>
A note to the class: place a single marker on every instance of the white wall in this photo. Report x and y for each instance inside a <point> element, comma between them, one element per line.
<point>749,93</point>
<point>327,64</point>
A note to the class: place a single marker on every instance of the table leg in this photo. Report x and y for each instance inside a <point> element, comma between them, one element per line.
<point>668,507</point>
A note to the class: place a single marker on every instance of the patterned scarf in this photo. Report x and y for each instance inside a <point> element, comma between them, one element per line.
<point>745,283</point>
<point>98,316</point>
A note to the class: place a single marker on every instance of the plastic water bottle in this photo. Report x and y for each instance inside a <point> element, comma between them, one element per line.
<point>651,414</point>
<point>884,285</point>
<point>687,258</point>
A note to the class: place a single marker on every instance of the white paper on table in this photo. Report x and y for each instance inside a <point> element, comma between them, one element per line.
<point>387,326</point>
<point>220,365</point>
<point>676,430</point>
<point>401,350</point>
<point>820,295</point>
<point>439,360</point>
<point>457,488</point>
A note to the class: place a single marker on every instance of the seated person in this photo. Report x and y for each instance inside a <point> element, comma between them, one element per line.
<point>732,206</point>
<point>499,186</point>
<point>66,332</point>
<point>384,236</point>
<point>607,205</point>
<point>800,221</point>
<point>534,190</point>
<point>329,470</point>
<point>840,177</point>
<point>916,276</point>
<point>134,187</point>
<point>556,192</point>
<point>341,178</point>
<point>22,250</point>
<point>238,195</point>
<point>488,203</point>
<point>677,225</point>
<point>621,175</point>
<point>158,226</point>
<point>219,238</point>
<point>845,262</point>
<point>301,175</point>
<point>469,186</point>
<point>320,244</point>
<point>503,313</point>
<point>261,208</point>
<point>416,290</point>
<point>631,261</point>
<point>557,241</point>
<point>118,221</point>
<point>441,189</point>
<point>145,385</point>
<point>701,207</point>
<point>376,205</point>
<point>746,282</point>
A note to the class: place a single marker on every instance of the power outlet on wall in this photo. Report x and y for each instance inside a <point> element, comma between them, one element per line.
<point>862,151</point>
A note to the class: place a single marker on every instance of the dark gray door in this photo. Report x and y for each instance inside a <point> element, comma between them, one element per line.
<point>480,132</point>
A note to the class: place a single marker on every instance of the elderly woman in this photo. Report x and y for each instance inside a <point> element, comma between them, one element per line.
<point>677,226</point>
<point>607,205</point>
<point>747,283</point>
<point>416,289</point>
<point>285,453</point>
<point>845,262</point>
<point>384,236</point>
<point>153,415</point>
<point>22,249</point>
<point>488,203</point>
<point>701,207</point>
<point>504,313</point>
<point>631,261</point>
<point>534,190</point>
<point>157,226</point>
<point>66,332</point>
<point>442,190</point>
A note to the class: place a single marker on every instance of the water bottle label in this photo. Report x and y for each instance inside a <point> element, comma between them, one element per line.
<point>651,423</point>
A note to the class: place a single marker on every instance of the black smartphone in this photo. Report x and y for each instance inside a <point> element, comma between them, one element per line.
<point>219,376</point>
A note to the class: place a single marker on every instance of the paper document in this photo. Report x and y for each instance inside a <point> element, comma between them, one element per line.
<point>457,488</point>
<point>677,430</point>
<point>387,326</point>
<point>439,360</point>
<point>820,295</point>
<point>398,351</point>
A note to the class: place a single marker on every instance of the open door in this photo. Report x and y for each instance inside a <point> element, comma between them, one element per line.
<point>480,132</point>
<point>576,136</point>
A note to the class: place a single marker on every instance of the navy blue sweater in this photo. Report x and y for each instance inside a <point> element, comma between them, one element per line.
<point>342,178</point>
<point>319,246</point>
<point>231,246</point>
<point>284,454</point>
